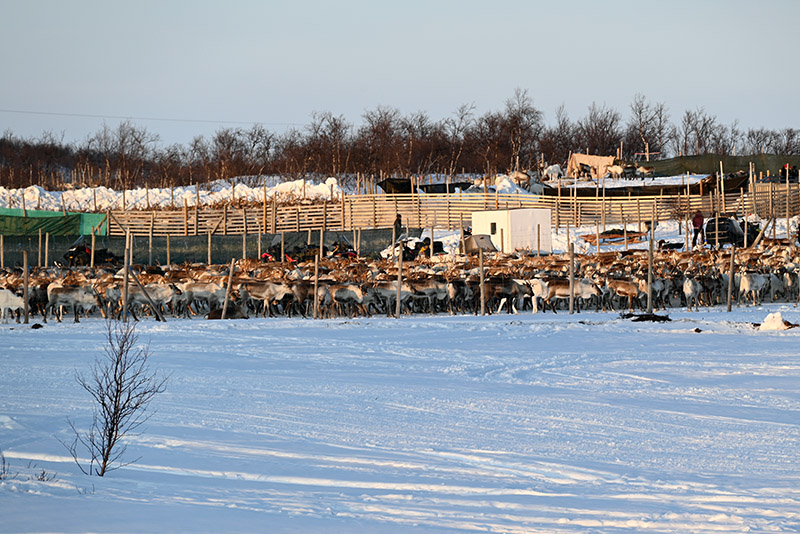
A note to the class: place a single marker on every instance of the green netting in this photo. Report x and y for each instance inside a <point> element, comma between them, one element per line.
<point>17,222</point>
<point>182,248</point>
<point>709,163</point>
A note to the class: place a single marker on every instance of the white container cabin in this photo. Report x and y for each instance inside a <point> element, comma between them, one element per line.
<point>523,229</point>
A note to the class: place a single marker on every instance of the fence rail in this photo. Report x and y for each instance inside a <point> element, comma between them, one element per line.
<point>443,211</point>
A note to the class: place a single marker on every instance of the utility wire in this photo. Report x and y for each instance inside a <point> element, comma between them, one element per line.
<point>162,119</point>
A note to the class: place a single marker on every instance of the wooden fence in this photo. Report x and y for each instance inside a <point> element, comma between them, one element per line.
<point>443,211</point>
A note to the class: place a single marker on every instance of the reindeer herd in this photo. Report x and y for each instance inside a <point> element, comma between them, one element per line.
<point>350,287</point>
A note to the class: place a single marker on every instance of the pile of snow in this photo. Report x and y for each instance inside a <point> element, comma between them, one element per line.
<point>218,192</point>
<point>774,321</point>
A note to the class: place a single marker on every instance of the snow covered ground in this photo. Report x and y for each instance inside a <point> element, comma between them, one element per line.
<point>511,424</point>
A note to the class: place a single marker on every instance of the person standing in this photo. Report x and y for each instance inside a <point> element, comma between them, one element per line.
<point>398,227</point>
<point>697,223</point>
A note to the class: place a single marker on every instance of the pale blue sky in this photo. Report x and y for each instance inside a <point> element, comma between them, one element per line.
<point>234,63</point>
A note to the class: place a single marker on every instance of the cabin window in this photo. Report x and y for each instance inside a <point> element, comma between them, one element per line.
<point>493,228</point>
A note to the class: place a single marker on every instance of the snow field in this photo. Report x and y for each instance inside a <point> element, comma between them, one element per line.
<point>528,423</point>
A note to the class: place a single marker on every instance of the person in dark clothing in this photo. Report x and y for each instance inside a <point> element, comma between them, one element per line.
<point>697,223</point>
<point>398,227</point>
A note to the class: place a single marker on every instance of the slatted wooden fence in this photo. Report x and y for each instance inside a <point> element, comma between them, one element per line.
<point>443,211</point>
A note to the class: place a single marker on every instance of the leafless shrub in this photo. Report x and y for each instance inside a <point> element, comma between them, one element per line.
<point>5,468</point>
<point>122,386</point>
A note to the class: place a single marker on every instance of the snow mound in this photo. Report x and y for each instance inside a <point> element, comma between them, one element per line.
<point>774,321</point>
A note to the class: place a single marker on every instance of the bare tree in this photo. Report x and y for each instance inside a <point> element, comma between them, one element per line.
<point>122,386</point>
<point>600,130</point>
<point>524,123</point>
<point>380,138</point>
<point>642,123</point>
<point>455,128</point>
<point>556,141</point>
<point>126,150</point>
<point>663,127</point>
<point>487,136</point>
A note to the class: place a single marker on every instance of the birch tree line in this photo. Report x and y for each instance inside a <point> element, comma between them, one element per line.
<point>386,143</point>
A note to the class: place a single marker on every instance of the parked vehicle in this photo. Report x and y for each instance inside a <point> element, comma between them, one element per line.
<point>730,231</point>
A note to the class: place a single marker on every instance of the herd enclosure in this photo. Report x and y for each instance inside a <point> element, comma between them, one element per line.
<point>451,211</point>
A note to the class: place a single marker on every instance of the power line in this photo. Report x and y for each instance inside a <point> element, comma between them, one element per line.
<point>121,117</point>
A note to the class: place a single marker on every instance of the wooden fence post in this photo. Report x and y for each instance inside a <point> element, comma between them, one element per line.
<point>730,277</point>
<point>650,267</point>
<point>264,210</point>
<point>481,281</point>
<point>788,193</point>
<point>597,235</point>
<point>26,286</point>
<point>209,249</point>
<point>538,240</point>
<point>47,249</point>
<point>125,268</point>
<point>625,232</point>
<point>228,289</point>
<point>150,239</point>
<point>274,215</point>
<point>639,214</point>
<point>169,262</point>
<point>316,287</point>
<point>399,281</point>
<point>571,278</point>
<point>91,259</point>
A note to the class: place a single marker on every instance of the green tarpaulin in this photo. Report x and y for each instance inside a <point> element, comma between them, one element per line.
<point>17,222</point>
<point>709,163</point>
